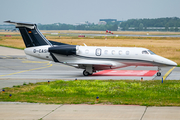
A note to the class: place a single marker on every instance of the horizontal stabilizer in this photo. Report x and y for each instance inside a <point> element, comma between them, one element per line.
<point>21,24</point>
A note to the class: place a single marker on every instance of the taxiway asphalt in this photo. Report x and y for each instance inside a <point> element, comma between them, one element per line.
<point>15,69</point>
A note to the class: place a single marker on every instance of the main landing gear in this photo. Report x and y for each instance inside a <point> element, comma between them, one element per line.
<point>86,73</point>
<point>88,70</point>
<point>159,72</point>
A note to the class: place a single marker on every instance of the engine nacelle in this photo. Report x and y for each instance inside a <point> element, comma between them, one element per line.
<point>63,49</point>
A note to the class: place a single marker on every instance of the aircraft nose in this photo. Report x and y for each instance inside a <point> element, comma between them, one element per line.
<point>169,62</point>
<point>173,63</point>
<point>166,61</point>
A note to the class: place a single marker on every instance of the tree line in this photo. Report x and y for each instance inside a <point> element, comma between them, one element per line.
<point>163,24</point>
<point>60,26</point>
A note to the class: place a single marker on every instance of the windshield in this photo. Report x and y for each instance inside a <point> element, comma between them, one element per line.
<point>152,53</point>
<point>144,52</point>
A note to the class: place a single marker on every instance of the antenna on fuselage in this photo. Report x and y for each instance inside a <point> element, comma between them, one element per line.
<point>84,44</point>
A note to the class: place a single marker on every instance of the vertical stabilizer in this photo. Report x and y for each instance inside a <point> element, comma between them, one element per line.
<point>31,35</point>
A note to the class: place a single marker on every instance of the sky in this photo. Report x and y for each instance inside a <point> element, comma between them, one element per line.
<point>77,11</point>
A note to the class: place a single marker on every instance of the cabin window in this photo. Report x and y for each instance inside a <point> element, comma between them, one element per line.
<point>106,52</point>
<point>144,52</point>
<point>98,52</point>
<point>152,53</point>
<point>87,51</point>
<point>113,52</point>
<point>127,52</point>
<point>120,52</point>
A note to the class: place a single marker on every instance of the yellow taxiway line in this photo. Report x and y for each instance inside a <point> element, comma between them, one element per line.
<point>165,76</point>
<point>49,65</point>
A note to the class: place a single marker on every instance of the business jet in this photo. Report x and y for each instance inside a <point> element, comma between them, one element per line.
<point>89,58</point>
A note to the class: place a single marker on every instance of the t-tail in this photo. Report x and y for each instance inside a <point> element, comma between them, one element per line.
<point>31,35</point>
<point>38,46</point>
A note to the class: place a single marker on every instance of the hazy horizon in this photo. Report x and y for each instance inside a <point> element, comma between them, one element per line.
<point>77,11</point>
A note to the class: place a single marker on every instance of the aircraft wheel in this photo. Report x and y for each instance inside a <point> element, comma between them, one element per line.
<point>85,73</point>
<point>90,73</point>
<point>158,74</point>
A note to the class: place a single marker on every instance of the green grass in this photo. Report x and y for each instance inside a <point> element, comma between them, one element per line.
<point>148,93</point>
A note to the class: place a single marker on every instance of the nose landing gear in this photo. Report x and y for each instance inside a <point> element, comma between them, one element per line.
<point>159,72</point>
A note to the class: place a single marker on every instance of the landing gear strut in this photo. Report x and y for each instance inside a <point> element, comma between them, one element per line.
<point>159,72</point>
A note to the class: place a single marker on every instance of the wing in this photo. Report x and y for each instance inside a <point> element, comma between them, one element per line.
<point>97,65</point>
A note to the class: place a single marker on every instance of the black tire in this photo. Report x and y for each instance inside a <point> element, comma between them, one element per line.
<point>158,74</point>
<point>90,73</point>
<point>85,73</point>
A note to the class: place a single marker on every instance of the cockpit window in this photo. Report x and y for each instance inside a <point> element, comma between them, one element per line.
<point>152,53</point>
<point>144,52</point>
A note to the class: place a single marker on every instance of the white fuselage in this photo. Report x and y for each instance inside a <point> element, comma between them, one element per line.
<point>110,57</point>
